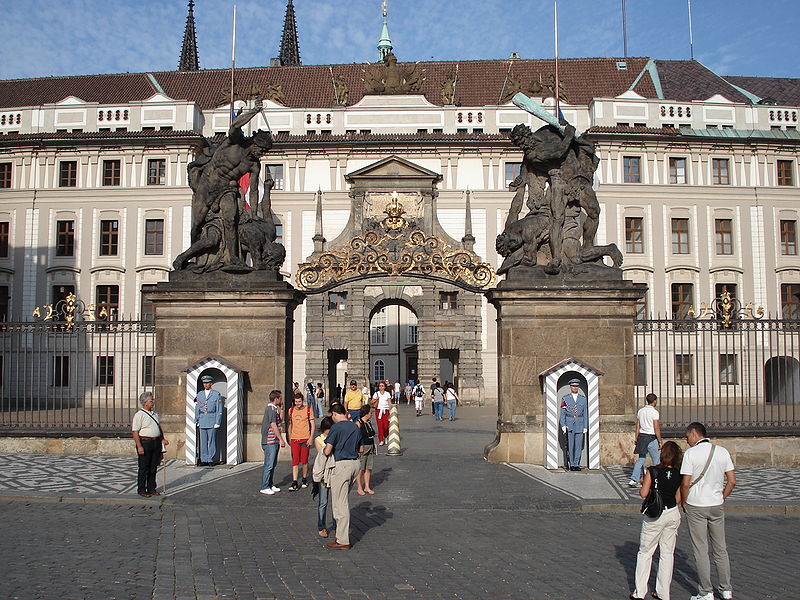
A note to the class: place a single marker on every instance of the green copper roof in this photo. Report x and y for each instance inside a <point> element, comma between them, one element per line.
<point>385,40</point>
<point>762,134</point>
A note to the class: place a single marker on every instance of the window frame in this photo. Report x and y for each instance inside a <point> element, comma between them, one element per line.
<point>153,239</point>
<point>788,237</point>
<point>280,182</point>
<point>790,301</point>
<point>104,370</point>
<point>5,238</point>
<point>337,301</point>
<point>679,308</point>
<point>720,175</point>
<point>784,171</point>
<point>676,172</point>
<point>732,368</point>
<point>629,173</point>
<point>678,244</point>
<point>684,369</point>
<point>68,173</point>
<point>378,328</point>
<point>6,174</point>
<point>723,238</point>
<point>65,240</point>
<point>109,240</point>
<point>112,172</point>
<point>160,177</point>
<point>448,300</point>
<point>107,297</point>
<point>516,165</point>
<point>630,242</point>
<point>59,376</point>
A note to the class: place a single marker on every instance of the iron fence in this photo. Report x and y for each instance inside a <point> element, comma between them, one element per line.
<point>738,376</point>
<point>73,377</point>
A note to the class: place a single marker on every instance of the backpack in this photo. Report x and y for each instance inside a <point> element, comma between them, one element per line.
<point>418,391</point>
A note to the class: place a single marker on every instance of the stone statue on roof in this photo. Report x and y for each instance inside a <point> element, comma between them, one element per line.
<point>390,78</point>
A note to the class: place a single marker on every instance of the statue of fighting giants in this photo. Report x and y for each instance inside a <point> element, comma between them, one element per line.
<point>223,229</point>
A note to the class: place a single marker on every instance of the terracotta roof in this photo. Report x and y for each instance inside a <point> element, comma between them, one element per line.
<point>784,90</point>
<point>635,130</point>
<point>480,83</point>
<point>159,134</point>
<point>688,80</point>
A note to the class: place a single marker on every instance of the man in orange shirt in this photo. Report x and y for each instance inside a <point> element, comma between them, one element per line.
<point>301,434</point>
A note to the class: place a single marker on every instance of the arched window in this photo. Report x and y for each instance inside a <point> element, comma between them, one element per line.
<point>377,330</point>
<point>378,371</point>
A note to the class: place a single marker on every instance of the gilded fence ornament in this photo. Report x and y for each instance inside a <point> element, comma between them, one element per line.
<point>68,310</point>
<point>726,309</point>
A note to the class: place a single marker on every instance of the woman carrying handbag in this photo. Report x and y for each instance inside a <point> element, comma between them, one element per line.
<point>660,531</point>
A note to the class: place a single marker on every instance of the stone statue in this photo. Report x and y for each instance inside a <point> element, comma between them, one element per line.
<point>391,78</point>
<point>223,229</point>
<point>448,91</point>
<point>274,92</point>
<point>340,91</point>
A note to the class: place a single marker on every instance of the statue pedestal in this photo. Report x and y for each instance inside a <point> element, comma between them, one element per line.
<point>541,324</point>
<point>246,319</point>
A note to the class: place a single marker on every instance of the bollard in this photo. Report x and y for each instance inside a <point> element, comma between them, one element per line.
<point>394,433</point>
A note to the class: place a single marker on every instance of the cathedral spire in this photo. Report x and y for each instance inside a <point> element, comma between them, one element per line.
<point>189,60</point>
<point>385,43</point>
<point>289,54</point>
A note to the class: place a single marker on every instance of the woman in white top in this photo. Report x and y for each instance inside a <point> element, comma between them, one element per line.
<point>381,402</point>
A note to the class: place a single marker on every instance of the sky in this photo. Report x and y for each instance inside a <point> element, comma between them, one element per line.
<point>44,38</point>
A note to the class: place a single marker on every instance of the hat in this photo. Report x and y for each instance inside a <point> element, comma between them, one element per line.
<point>206,379</point>
<point>353,382</point>
<point>574,381</point>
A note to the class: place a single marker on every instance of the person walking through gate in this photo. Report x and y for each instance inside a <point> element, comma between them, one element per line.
<point>648,437</point>
<point>382,402</point>
<point>708,478</point>
<point>407,392</point>
<point>660,532</point>
<point>271,441</point>
<point>353,400</point>
<point>344,443</point>
<point>452,399</point>
<point>301,435</point>
<point>419,398</point>
<point>319,396</point>
<point>438,401</point>
<point>574,421</point>
<point>207,417</point>
<point>312,402</point>
<point>149,440</point>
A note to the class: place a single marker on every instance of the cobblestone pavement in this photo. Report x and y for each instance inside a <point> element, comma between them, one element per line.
<point>443,524</point>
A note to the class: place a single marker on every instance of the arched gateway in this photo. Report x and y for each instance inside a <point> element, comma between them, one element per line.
<point>394,253</point>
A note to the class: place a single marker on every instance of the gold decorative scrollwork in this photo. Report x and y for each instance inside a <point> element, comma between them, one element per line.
<point>396,253</point>
<point>67,310</point>
<point>726,309</point>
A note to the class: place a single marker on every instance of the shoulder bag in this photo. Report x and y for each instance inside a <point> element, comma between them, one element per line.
<point>708,462</point>
<point>653,505</point>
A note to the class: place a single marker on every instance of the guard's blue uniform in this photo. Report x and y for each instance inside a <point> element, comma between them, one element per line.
<point>575,416</point>
<point>208,416</point>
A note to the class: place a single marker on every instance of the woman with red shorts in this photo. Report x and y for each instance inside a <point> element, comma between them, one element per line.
<point>301,434</point>
<point>382,402</point>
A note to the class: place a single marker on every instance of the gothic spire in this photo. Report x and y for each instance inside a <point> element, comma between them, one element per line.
<point>385,43</point>
<point>289,54</point>
<point>189,60</point>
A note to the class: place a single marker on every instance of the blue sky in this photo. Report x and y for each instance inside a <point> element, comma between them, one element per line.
<point>74,37</point>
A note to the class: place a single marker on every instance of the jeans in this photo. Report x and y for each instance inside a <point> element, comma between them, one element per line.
<point>322,506</point>
<point>451,410</point>
<point>655,456</point>
<point>270,459</point>
<point>311,401</point>
<point>707,523</point>
<point>320,402</point>
<point>438,408</point>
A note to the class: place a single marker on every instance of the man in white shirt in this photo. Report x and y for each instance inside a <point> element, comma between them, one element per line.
<point>648,438</point>
<point>708,478</point>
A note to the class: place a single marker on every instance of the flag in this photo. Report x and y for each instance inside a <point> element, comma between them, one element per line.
<point>560,115</point>
<point>244,183</point>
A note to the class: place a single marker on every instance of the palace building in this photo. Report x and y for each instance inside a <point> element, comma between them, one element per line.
<point>698,185</point>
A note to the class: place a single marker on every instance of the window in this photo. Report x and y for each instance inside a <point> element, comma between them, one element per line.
<point>154,236</point>
<point>448,300</point>
<point>379,371</point>
<point>789,238</point>
<point>107,302</point>
<point>156,171</point>
<point>4,309</point>
<point>111,172</point>
<point>680,236</point>
<point>5,231</point>
<point>677,170</point>
<point>719,290</point>
<point>723,233</point>
<point>147,311</point>
<point>631,169</point>
<point>377,330</point>
<point>413,329</point>
<point>68,173</point>
<point>278,233</point>
<point>65,238</point>
<point>512,171</point>
<point>785,172</point>
<point>634,235</point>
<point>148,371</point>
<point>105,370</point>
<point>719,171</point>
<point>640,369</point>
<point>790,300</point>
<point>5,175</point>
<point>641,308</point>
<point>109,237</point>
<point>683,369</point>
<point>682,300</point>
<point>728,373</point>
<point>59,295</point>
<point>337,300</point>
<point>276,171</point>
<point>60,371</point>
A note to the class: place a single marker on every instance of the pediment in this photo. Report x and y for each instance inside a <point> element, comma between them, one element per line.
<point>71,100</point>
<point>631,95</point>
<point>213,361</point>
<point>159,98</point>
<point>719,99</point>
<point>393,167</point>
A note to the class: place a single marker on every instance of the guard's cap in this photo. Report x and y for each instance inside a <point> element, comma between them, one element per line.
<point>575,381</point>
<point>206,379</point>
<point>353,382</point>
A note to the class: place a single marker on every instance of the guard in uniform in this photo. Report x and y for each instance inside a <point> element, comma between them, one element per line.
<point>574,421</point>
<point>207,416</point>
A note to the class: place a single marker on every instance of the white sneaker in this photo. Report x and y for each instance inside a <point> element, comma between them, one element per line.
<point>709,596</point>
<point>726,595</point>
<point>267,491</point>
<point>275,488</point>
<point>633,484</point>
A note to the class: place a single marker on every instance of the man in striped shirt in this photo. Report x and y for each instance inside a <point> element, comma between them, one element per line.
<point>271,441</point>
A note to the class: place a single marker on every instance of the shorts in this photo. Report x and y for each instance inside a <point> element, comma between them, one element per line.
<point>299,452</point>
<point>368,458</point>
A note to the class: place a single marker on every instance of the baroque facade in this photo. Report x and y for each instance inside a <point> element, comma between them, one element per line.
<point>697,183</point>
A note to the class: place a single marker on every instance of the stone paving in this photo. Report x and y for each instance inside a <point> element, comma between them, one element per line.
<point>443,524</point>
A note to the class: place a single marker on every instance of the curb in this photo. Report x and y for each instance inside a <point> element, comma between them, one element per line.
<point>84,500</point>
<point>730,509</point>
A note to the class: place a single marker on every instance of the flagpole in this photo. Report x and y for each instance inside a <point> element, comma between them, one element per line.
<point>233,56</point>
<point>691,36</point>
<point>555,28</point>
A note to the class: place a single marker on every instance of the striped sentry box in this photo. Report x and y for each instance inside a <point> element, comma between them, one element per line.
<point>232,397</point>
<point>552,402</point>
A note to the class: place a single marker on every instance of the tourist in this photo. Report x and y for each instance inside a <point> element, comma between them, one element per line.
<point>319,396</point>
<point>407,391</point>
<point>311,400</point>
<point>419,398</point>
<point>353,400</point>
<point>301,434</point>
<point>397,388</point>
<point>344,443</point>
<point>573,419</point>
<point>381,401</point>
<point>207,418</point>
<point>662,531</point>
<point>708,478</point>
<point>338,392</point>
<point>648,437</point>
<point>271,441</point>
<point>323,466</point>
<point>451,397</point>
<point>364,423</point>
<point>438,401</point>
<point>149,440</point>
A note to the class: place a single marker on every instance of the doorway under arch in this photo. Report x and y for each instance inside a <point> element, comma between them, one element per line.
<point>393,338</point>
<point>782,380</point>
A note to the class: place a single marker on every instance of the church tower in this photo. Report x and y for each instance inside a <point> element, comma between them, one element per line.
<point>385,43</point>
<point>289,54</point>
<point>189,60</point>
